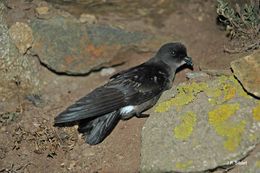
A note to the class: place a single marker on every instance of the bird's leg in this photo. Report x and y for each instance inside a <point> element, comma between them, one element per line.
<point>142,115</point>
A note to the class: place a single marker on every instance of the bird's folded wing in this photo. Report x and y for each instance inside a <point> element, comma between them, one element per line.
<point>99,102</point>
<point>133,87</point>
<point>141,83</point>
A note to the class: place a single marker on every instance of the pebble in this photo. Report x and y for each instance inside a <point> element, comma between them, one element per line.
<point>42,10</point>
<point>87,18</point>
<point>22,36</point>
<point>107,71</point>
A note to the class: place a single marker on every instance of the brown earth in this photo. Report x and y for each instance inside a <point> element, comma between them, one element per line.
<point>30,143</point>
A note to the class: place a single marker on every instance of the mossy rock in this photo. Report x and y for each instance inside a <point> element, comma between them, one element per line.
<point>200,126</point>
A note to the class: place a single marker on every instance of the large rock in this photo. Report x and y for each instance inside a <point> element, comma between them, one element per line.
<point>247,70</point>
<point>18,73</point>
<point>68,46</point>
<point>200,126</point>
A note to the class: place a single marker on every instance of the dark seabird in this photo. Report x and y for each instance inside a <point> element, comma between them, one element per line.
<point>127,94</point>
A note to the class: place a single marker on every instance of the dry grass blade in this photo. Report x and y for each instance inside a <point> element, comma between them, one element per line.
<point>242,23</point>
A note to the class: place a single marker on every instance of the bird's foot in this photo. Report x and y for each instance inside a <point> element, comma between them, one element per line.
<point>142,115</point>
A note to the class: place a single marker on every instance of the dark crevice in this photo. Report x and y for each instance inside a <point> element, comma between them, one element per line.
<point>96,69</point>
<point>250,94</point>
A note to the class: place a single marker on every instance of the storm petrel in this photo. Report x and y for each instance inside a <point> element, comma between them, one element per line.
<point>127,94</point>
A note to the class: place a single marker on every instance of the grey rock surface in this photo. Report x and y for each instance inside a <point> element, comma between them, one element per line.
<point>67,46</point>
<point>200,126</point>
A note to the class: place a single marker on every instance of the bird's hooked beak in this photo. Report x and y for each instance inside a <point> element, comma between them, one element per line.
<point>188,61</point>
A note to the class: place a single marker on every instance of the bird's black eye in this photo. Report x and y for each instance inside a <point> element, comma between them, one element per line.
<point>173,53</point>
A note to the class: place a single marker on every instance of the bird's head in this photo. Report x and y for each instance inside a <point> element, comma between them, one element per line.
<point>174,55</point>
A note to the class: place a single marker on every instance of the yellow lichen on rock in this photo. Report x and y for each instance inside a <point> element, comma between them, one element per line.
<point>257,164</point>
<point>194,87</point>
<point>184,130</point>
<point>186,94</point>
<point>183,165</point>
<point>179,100</point>
<point>234,135</point>
<point>213,92</point>
<point>256,112</point>
<point>219,119</point>
<point>222,113</point>
<point>239,89</point>
<point>226,89</point>
<point>229,92</point>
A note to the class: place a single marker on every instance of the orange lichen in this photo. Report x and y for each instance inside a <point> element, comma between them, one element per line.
<point>69,59</point>
<point>95,51</point>
<point>230,93</point>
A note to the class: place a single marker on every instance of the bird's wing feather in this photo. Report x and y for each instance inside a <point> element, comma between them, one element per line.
<point>100,101</point>
<point>134,87</point>
<point>142,83</point>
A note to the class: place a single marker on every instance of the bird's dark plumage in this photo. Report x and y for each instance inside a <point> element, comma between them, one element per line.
<point>128,93</point>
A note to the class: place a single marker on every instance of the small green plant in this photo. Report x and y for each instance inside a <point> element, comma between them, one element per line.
<point>242,22</point>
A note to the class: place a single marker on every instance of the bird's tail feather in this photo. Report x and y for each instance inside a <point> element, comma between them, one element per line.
<point>99,128</point>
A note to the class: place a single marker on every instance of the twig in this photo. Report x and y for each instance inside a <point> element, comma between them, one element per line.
<point>245,48</point>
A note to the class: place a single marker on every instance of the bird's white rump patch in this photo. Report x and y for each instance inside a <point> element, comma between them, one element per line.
<point>127,109</point>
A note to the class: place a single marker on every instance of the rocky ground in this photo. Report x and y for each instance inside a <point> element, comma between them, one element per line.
<point>52,53</point>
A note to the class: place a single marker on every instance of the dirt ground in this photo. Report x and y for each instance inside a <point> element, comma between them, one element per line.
<point>30,143</point>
